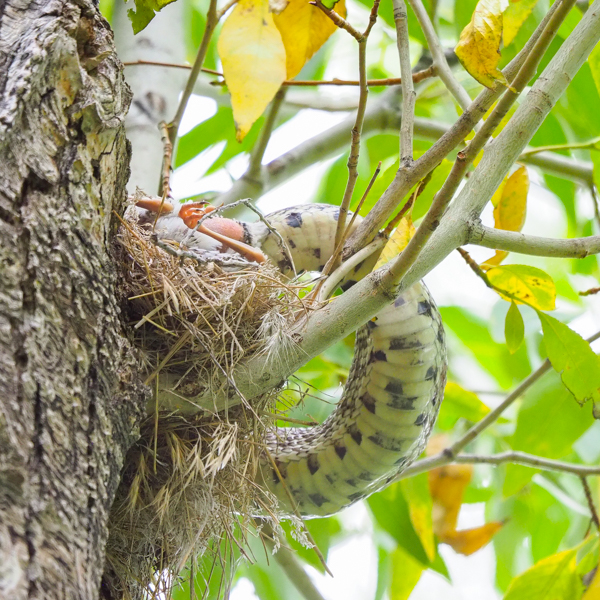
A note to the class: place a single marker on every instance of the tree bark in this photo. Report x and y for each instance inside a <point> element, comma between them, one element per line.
<point>70,398</point>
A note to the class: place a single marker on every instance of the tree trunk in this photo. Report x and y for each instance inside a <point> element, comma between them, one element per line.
<point>70,398</point>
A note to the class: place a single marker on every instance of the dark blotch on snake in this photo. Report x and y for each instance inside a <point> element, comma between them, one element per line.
<point>369,402</point>
<point>317,252</point>
<point>355,433</point>
<point>394,387</point>
<point>400,402</point>
<point>313,463</point>
<point>401,461</point>
<point>431,373</point>
<point>386,443</point>
<point>347,285</point>
<point>378,356</point>
<point>291,243</point>
<point>340,449</point>
<point>371,324</point>
<point>355,496</point>
<point>403,343</point>
<point>421,420</point>
<point>424,308</point>
<point>317,499</point>
<point>399,301</point>
<point>294,219</point>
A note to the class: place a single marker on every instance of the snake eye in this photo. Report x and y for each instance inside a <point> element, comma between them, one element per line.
<point>192,212</point>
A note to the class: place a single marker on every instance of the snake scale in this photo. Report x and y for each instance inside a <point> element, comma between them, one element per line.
<point>394,387</point>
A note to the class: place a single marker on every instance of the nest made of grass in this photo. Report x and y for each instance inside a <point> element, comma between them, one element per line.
<point>190,481</point>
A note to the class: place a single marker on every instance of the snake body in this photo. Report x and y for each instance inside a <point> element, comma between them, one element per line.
<point>394,388</point>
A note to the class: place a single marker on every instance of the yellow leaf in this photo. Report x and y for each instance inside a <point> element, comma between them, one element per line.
<point>479,43</point>
<point>447,486</point>
<point>510,208</point>
<point>468,541</point>
<point>398,240</point>
<point>510,212</point>
<point>304,29</point>
<point>418,497</point>
<point>524,285</point>
<point>514,16</point>
<point>253,57</point>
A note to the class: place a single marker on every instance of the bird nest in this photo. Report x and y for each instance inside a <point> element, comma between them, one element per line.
<point>189,482</point>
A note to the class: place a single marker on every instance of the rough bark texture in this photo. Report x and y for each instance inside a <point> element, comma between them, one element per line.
<point>70,399</point>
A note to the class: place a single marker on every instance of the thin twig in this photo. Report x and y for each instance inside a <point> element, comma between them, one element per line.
<point>356,130</point>
<point>590,501</point>
<point>439,57</point>
<point>156,63</point>
<point>514,457</point>
<point>337,20</point>
<point>258,151</point>
<point>166,164</point>
<point>595,202</point>
<point>409,95</point>
<point>492,416</point>
<point>590,292</point>
<point>390,81</point>
<point>335,257</point>
<point>212,18</point>
<point>225,8</point>
<point>592,144</point>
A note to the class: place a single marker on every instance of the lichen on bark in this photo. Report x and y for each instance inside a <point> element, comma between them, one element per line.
<point>70,397</point>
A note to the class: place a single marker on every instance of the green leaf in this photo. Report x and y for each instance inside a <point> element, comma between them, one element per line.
<point>406,572</point>
<point>495,358</point>
<point>572,357</point>
<point>145,11</point>
<point>514,328</point>
<point>420,507</point>
<point>391,513</point>
<point>548,424</point>
<point>525,284</point>
<point>460,403</point>
<point>554,578</point>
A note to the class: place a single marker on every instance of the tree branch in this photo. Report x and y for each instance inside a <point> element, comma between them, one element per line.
<point>511,241</point>
<point>409,96</point>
